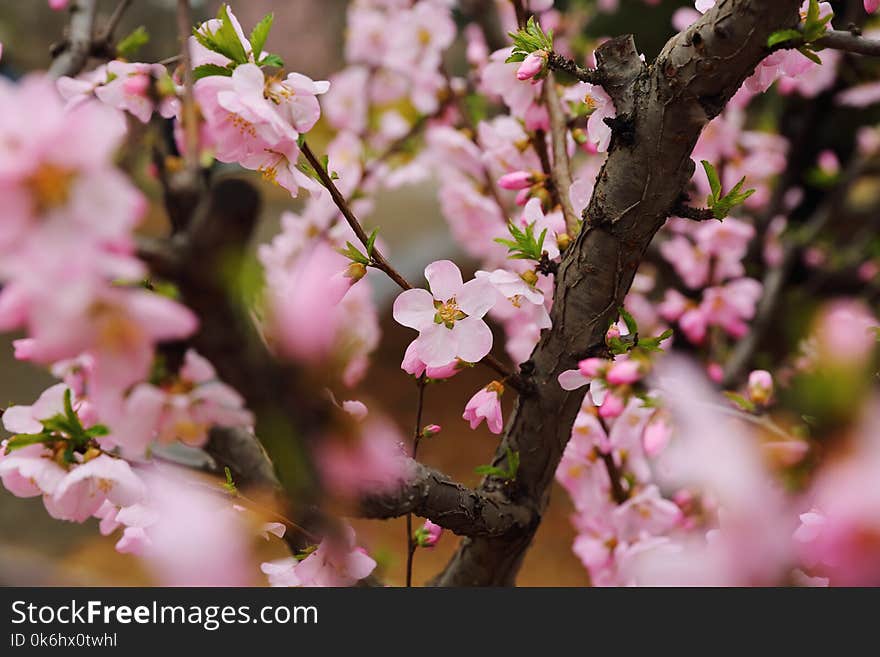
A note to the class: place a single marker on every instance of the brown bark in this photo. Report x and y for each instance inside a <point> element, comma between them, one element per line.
<point>661,109</point>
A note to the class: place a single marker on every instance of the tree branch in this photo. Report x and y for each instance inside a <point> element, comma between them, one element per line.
<point>462,510</point>
<point>75,54</point>
<point>561,170</point>
<point>665,106</point>
<point>850,42</point>
<point>559,63</point>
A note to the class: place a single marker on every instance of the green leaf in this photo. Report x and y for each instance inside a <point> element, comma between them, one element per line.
<point>206,70</point>
<point>260,33</point>
<point>97,430</point>
<point>781,36</point>
<point>529,39</point>
<point>353,253</point>
<point>524,245</point>
<point>26,439</point>
<point>229,485</point>
<point>809,54</point>
<point>630,321</point>
<point>228,37</point>
<point>272,60</point>
<point>225,40</point>
<point>489,470</point>
<point>371,241</point>
<point>132,42</point>
<point>714,180</point>
<point>740,401</point>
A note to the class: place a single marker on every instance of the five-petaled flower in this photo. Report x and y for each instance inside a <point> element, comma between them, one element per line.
<point>449,318</point>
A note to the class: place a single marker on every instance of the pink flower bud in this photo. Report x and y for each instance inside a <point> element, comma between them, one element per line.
<point>486,405</point>
<point>136,85</point>
<point>428,534</point>
<point>656,435</point>
<point>760,387</point>
<point>613,333</point>
<point>592,367</point>
<point>431,430</point>
<point>871,6</point>
<point>612,406</point>
<point>532,65</point>
<point>624,372</point>
<point>715,372</point>
<point>516,180</point>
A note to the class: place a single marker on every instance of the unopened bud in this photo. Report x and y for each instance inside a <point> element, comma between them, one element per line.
<point>356,271</point>
<point>563,241</point>
<point>431,430</point>
<point>760,387</point>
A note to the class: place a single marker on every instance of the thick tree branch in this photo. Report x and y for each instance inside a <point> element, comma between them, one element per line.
<point>75,54</point>
<point>462,510</point>
<point>850,42</point>
<point>663,109</point>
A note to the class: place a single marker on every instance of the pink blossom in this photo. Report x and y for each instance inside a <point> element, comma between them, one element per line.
<point>486,405</point>
<point>29,471</point>
<point>370,461</point>
<point>87,486</point>
<point>871,6</point>
<point>612,406</point>
<point>623,372</point>
<point>449,319</point>
<point>333,563</point>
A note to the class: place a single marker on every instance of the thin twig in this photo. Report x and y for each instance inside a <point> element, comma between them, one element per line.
<point>417,436</point>
<point>113,21</point>
<point>559,63</point>
<point>379,261</point>
<point>190,115</point>
<point>561,170</point>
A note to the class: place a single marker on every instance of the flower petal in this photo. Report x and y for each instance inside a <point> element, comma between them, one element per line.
<point>476,297</point>
<point>415,309</point>
<point>572,380</point>
<point>436,345</point>
<point>444,277</point>
<point>18,419</point>
<point>474,339</point>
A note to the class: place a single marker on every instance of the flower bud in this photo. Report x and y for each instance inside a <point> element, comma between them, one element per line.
<point>516,180</point>
<point>760,388</point>
<point>430,430</point>
<point>563,241</point>
<point>592,367</point>
<point>427,535</point>
<point>356,271</point>
<point>532,66</point>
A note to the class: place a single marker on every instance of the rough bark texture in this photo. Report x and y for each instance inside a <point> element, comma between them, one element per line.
<point>462,510</point>
<point>662,109</point>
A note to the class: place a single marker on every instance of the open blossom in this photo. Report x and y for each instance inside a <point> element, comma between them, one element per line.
<point>184,409</point>
<point>449,318</point>
<point>486,405</point>
<point>332,563</point>
<point>256,121</point>
<point>86,487</point>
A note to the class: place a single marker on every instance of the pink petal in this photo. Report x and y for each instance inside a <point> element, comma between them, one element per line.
<point>444,277</point>
<point>18,419</point>
<point>436,345</point>
<point>415,309</point>
<point>474,339</point>
<point>476,297</point>
<point>572,380</point>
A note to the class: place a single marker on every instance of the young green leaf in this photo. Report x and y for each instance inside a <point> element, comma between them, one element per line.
<point>260,33</point>
<point>131,43</point>
<point>206,70</point>
<point>26,439</point>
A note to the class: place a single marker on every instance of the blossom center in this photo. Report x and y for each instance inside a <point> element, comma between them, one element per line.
<point>50,186</point>
<point>448,313</point>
